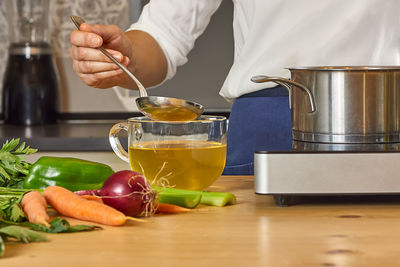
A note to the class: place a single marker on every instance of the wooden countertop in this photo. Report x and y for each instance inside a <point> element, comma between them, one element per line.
<point>255,232</point>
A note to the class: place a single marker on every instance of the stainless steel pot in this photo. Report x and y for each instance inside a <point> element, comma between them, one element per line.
<point>357,104</point>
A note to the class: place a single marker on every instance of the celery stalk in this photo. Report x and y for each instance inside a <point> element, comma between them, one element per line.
<point>188,200</point>
<point>217,198</point>
<point>191,198</point>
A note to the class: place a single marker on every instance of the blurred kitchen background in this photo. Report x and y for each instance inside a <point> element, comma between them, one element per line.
<point>199,80</point>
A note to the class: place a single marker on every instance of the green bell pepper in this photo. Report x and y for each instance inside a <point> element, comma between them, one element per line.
<point>71,173</point>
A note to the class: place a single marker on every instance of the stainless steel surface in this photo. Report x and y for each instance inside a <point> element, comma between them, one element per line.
<point>288,85</point>
<point>313,146</point>
<point>142,90</point>
<point>158,108</point>
<point>353,104</point>
<point>326,173</point>
<point>168,108</point>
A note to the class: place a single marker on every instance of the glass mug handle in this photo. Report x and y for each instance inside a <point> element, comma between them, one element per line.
<point>114,140</point>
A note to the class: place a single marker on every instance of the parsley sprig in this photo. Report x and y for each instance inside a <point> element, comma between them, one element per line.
<point>13,167</point>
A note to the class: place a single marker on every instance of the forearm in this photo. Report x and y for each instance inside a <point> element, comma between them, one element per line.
<point>148,61</point>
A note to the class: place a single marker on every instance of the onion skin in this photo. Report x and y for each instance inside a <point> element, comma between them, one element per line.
<point>127,191</point>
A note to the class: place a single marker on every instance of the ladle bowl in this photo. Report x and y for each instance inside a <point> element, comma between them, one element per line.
<point>169,108</point>
<point>155,107</point>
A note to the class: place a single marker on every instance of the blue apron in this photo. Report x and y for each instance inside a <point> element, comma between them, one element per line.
<point>258,121</point>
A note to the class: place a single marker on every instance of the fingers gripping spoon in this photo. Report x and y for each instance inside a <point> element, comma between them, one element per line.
<point>155,107</point>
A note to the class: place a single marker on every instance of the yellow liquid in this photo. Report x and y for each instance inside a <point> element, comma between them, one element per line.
<point>184,164</point>
<point>171,114</point>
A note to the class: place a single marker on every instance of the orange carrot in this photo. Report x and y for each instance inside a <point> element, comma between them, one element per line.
<point>170,208</point>
<point>94,198</point>
<point>69,204</point>
<point>34,206</point>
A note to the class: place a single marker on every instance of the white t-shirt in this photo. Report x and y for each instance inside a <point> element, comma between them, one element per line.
<point>271,35</point>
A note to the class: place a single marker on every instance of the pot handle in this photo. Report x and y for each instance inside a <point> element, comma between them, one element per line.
<point>288,85</point>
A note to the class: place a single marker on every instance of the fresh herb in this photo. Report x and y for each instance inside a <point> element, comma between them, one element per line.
<point>21,234</point>
<point>10,204</point>
<point>57,225</point>
<point>11,210</point>
<point>18,233</point>
<point>13,167</point>
<point>29,232</point>
<point>15,227</point>
<point>2,247</point>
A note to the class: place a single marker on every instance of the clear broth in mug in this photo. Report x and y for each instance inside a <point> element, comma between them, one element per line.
<point>184,164</point>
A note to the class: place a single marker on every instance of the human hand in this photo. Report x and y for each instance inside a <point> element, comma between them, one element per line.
<point>91,65</point>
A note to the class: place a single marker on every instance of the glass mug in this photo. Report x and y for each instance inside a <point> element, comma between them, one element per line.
<point>187,155</point>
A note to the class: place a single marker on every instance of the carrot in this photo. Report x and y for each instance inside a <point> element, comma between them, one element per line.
<point>94,198</point>
<point>69,204</point>
<point>34,206</point>
<point>170,208</point>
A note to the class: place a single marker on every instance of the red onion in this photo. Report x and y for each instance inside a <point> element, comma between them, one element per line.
<point>127,191</point>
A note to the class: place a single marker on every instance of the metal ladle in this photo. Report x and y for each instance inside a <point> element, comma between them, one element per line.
<point>155,107</point>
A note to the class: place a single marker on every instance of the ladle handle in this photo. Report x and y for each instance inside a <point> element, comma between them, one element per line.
<point>142,91</point>
<point>114,140</point>
<point>288,85</point>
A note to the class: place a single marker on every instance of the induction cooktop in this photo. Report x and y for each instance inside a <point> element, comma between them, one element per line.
<point>286,174</point>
